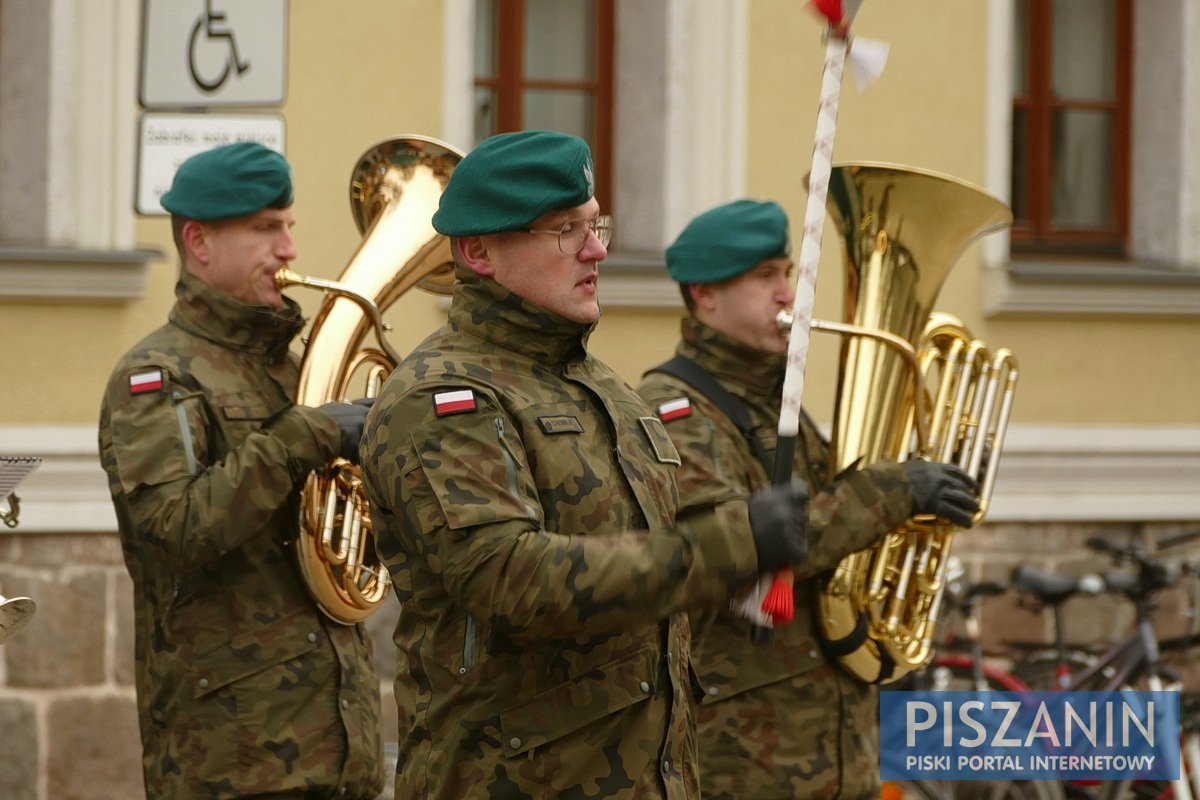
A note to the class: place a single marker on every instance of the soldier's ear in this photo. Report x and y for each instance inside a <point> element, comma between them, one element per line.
<point>704,295</point>
<point>195,239</point>
<point>473,254</point>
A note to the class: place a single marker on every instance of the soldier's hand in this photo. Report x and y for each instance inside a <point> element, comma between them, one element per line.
<point>350,418</point>
<point>778,523</point>
<point>943,490</point>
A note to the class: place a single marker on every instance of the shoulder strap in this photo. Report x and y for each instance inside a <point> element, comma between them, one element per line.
<point>699,378</point>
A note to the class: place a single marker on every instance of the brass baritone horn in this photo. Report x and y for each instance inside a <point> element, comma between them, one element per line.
<point>394,191</point>
<point>912,384</point>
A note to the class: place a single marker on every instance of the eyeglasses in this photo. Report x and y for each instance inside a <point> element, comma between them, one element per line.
<point>573,234</point>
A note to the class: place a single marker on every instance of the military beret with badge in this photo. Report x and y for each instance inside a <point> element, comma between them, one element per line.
<point>511,179</point>
<point>728,240</point>
<point>229,181</point>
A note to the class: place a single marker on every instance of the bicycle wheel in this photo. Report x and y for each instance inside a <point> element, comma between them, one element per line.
<point>1039,669</point>
<point>953,672</point>
<point>1139,790</point>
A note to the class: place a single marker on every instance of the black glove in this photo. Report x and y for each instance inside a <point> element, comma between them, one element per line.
<point>778,523</point>
<point>943,490</point>
<point>350,418</point>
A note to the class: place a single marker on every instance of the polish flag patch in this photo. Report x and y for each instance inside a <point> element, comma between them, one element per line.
<point>675,409</point>
<point>143,382</point>
<point>459,401</point>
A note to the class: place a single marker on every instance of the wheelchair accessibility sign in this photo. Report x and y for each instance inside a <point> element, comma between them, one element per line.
<point>204,53</point>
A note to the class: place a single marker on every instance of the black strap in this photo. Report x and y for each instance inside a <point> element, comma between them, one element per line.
<point>840,648</point>
<point>853,640</point>
<point>699,378</point>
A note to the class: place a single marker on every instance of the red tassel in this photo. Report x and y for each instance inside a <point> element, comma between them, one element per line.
<point>779,603</point>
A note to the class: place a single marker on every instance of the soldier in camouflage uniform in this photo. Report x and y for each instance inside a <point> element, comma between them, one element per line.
<point>524,500</point>
<point>779,720</point>
<point>244,688</point>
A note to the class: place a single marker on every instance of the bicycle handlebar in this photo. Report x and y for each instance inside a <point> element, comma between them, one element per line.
<point>1152,574</point>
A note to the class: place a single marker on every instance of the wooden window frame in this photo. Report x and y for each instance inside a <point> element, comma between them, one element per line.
<point>509,83</point>
<point>1035,234</point>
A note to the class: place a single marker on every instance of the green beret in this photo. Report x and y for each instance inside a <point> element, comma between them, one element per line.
<point>725,241</point>
<point>511,179</point>
<point>230,181</point>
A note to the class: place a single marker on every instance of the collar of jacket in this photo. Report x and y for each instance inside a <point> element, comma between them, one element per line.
<point>485,309</point>
<point>212,315</point>
<point>761,374</point>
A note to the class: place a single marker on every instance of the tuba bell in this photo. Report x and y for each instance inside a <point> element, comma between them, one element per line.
<point>394,190</point>
<point>912,383</point>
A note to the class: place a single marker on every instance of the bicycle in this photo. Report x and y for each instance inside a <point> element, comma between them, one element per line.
<point>1134,659</point>
<point>1043,668</point>
<point>1133,662</point>
<point>960,664</point>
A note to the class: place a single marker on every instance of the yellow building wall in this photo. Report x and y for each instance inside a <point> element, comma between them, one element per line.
<point>918,113</point>
<point>927,110</point>
<point>357,78</point>
<point>352,80</point>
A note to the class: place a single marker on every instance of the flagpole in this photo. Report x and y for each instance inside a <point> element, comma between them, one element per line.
<point>772,600</point>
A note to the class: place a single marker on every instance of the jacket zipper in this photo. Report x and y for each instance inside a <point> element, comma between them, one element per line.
<point>469,654</point>
<point>510,468</point>
<point>189,455</point>
<point>185,433</point>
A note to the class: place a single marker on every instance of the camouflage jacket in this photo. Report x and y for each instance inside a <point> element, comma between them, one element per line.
<point>243,685</point>
<point>524,500</point>
<point>776,721</point>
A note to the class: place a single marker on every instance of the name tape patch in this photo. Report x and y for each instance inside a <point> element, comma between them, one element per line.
<point>560,423</point>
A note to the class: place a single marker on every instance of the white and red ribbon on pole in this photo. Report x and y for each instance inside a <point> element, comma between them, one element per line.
<point>771,602</point>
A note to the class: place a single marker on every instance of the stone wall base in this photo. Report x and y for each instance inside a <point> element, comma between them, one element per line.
<point>67,704</point>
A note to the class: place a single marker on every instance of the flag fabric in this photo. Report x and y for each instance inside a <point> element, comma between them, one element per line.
<point>866,60</point>
<point>675,409</point>
<point>459,401</point>
<point>142,382</point>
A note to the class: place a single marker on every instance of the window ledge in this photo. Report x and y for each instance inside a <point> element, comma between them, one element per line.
<point>637,280</point>
<point>1029,286</point>
<point>1102,473</point>
<point>65,274</point>
<point>1047,474</point>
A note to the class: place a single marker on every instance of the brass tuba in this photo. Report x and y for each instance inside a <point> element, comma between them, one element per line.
<point>394,190</point>
<point>912,384</point>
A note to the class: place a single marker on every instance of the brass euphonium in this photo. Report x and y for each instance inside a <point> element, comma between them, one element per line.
<point>912,384</point>
<point>394,190</point>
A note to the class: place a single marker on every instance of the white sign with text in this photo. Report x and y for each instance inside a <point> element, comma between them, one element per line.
<point>167,140</point>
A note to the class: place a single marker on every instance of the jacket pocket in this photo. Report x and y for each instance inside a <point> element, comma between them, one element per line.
<point>579,702</point>
<point>242,406</point>
<point>725,665</point>
<point>256,650</point>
